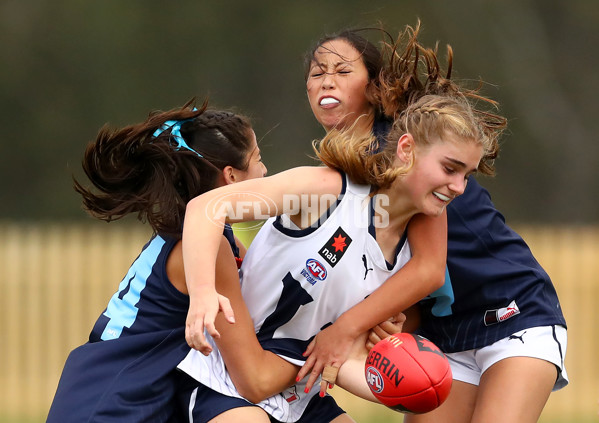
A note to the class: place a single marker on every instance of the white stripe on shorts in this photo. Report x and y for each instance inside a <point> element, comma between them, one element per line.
<point>192,403</point>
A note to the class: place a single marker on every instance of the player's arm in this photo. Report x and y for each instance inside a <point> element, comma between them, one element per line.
<point>351,374</point>
<point>422,274</point>
<point>256,373</point>
<point>205,218</point>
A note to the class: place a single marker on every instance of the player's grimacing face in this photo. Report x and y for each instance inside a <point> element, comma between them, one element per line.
<point>336,85</point>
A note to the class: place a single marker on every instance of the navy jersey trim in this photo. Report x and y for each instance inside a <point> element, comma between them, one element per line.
<point>372,232</point>
<point>381,127</point>
<point>288,347</point>
<point>228,233</point>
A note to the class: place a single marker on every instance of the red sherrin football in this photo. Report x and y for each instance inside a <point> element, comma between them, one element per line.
<point>408,373</point>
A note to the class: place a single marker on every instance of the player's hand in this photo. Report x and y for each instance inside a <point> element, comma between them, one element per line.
<point>201,315</point>
<point>329,348</point>
<point>385,329</point>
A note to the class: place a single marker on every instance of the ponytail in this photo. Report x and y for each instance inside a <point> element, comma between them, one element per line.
<point>154,168</point>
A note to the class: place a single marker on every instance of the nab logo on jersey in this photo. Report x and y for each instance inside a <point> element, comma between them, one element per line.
<point>335,247</point>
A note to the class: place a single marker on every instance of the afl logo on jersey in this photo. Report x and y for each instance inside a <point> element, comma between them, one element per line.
<point>314,271</point>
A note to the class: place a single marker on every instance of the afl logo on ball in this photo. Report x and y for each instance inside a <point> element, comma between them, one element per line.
<point>374,379</point>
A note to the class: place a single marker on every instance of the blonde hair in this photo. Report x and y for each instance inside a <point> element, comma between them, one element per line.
<point>422,100</point>
<point>354,154</point>
<point>428,120</point>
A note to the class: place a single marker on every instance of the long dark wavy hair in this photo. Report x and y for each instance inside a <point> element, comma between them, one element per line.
<point>414,92</point>
<point>133,171</point>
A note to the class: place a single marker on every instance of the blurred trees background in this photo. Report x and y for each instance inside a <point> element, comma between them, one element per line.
<point>69,67</point>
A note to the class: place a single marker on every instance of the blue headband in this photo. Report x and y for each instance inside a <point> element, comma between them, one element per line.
<point>175,127</point>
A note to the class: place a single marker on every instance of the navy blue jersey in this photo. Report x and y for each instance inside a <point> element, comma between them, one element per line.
<point>126,372</point>
<point>146,301</point>
<point>493,286</point>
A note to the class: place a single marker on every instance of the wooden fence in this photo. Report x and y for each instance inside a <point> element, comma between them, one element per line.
<point>55,280</point>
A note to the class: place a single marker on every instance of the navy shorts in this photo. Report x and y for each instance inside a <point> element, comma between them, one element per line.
<point>203,402</point>
<point>207,404</point>
<point>319,410</point>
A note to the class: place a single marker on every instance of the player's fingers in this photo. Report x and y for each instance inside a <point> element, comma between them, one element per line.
<point>377,334</point>
<point>309,348</point>
<point>204,348</point>
<point>323,388</point>
<point>369,345</point>
<point>329,377</point>
<point>373,338</point>
<point>399,319</point>
<point>225,306</point>
<point>210,327</point>
<point>190,322</point>
<point>202,345</point>
<point>309,363</point>
<point>191,333</point>
<point>188,337</point>
<point>199,342</point>
<point>314,375</point>
<point>311,380</point>
<point>387,328</point>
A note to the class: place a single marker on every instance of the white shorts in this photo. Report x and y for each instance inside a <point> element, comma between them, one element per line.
<point>543,342</point>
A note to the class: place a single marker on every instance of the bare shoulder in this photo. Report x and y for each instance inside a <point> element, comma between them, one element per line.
<point>315,179</point>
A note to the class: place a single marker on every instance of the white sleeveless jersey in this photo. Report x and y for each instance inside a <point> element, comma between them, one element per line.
<point>296,282</point>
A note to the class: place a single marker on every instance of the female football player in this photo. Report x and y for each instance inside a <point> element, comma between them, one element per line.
<point>126,371</point>
<point>291,282</point>
<point>497,316</point>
